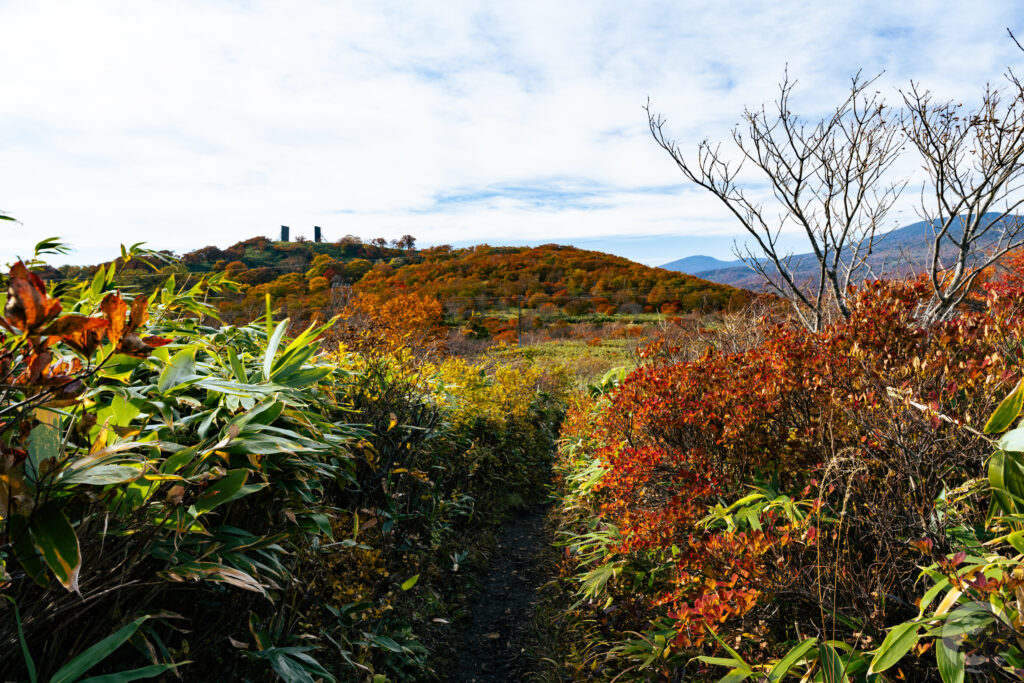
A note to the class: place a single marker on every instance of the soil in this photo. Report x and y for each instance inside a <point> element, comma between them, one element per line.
<point>494,647</point>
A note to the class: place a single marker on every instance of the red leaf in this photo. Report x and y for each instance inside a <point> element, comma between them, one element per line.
<point>157,341</point>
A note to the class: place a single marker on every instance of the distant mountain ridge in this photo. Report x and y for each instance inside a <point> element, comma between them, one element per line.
<point>900,252</point>
<point>691,265</point>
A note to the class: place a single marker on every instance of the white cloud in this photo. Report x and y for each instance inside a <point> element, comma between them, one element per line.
<point>188,123</point>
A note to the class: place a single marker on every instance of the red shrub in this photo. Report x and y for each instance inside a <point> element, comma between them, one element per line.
<point>866,407</point>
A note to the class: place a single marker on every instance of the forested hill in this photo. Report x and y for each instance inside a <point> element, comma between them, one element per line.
<point>571,279</point>
<point>309,276</point>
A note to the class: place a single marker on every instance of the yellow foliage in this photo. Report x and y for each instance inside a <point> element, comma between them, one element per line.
<point>402,320</point>
<point>499,398</point>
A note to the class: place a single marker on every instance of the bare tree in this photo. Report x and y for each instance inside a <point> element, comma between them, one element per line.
<point>828,179</point>
<point>972,159</point>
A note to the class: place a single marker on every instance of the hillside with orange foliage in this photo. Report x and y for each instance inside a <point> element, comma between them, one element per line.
<point>307,280</point>
<point>567,278</point>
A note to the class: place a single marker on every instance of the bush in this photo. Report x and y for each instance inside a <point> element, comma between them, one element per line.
<point>763,496</point>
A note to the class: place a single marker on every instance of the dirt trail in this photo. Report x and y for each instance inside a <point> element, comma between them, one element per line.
<point>494,645</point>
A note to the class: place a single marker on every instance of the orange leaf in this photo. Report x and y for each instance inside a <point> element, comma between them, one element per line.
<point>157,341</point>
<point>29,307</point>
<point>114,307</point>
<point>80,332</point>
<point>139,314</point>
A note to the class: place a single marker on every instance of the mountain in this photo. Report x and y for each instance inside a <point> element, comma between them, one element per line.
<point>700,264</point>
<point>898,253</point>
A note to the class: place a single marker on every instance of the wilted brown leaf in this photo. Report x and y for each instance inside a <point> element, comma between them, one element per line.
<point>60,373</point>
<point>176,494</point>
<point>133,346</point>
<point>69,324</point>
<point>140,313</point>
<point>80,332</point>
<point>114,307</point>
<point>29,306</point>
<point>34,367</point>
<point>13,492</point>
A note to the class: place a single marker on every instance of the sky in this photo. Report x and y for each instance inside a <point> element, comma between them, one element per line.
<point>185,124</point>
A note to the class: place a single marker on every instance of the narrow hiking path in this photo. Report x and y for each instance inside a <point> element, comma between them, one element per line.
<point>495,643</point>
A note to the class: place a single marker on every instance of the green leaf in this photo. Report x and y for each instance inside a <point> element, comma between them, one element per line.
<point>181,368</point>
<point>272,344</point>
<point>782,667</point>
<point>716,661</point>
<point>50,245</point>
<point>44,443</point>
<point>178,460</point>
<point>288,669</point>
<point>410,582</point>
<point>995,479</point>
<point>236,366</point>
<point>831,664</point>
<point>151,671</point>
<point>896,645</point>
<point>384,642</point>
<point>941,584</point>
<point>1008,411</point>
<point>29,558</point>
<point>221,491</point>
<point>1006,477</point>
<point>266,414</point>
<point>1016,539</point>
<point>74,669</point>
<point>120,366</point>
<point>305,377</point>
<point>55,539</point>
<point>293,665</point>
<point>101,475</point>
<point>30,664</point>
<point>1012,440</point>
<point>98,281</point>
<point>951,662</point>
<point>204,426</point>
<point>167,293</point>
<point>269,316</point>
<point>290,363</point>
<point>123,411</point>
<point>321,522</point>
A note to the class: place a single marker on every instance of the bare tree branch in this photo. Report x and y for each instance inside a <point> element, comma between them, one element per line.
<point>828,180</point>
<point>972,161</point>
